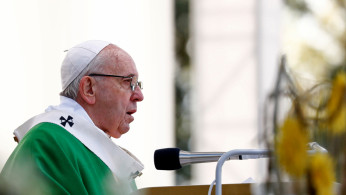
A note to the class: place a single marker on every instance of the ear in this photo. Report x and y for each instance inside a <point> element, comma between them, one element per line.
<point>87,89</point>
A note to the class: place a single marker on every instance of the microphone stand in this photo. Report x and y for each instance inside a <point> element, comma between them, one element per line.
<point>313,147</point>
<point>255,153</point>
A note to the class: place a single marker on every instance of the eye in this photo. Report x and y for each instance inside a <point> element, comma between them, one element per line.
<point>126,83</point>
<point>128,80</point>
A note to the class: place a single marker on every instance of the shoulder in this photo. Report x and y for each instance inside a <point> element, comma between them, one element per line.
<point>44,131</point>
<point>47,141</point>
<point>50,136</point>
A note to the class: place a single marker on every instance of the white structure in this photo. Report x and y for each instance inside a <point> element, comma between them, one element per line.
<point>235,57</point>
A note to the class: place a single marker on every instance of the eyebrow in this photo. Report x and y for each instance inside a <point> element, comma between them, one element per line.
<point>131,75</point>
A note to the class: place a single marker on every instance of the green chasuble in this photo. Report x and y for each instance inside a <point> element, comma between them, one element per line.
<point>49,160</point>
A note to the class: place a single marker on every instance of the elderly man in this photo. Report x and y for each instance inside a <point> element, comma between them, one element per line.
<point>67,149</point>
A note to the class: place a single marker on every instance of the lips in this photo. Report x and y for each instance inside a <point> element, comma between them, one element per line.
<point>129,113</point>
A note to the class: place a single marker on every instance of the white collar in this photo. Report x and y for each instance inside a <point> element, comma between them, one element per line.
<point>71,106</point>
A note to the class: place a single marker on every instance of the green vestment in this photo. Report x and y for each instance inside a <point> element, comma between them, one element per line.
<point>49,160</point>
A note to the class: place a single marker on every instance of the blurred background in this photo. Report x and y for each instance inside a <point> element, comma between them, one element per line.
<point>207,68</point>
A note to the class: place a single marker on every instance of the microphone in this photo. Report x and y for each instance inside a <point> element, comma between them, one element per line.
<point>174,158</point>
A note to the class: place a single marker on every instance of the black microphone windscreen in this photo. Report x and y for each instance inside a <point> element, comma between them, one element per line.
<point>167,159</point>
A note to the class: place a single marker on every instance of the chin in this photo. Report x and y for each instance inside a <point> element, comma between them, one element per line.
<point>120,132</point>
<point>124,132</point>
<point>116,136</point>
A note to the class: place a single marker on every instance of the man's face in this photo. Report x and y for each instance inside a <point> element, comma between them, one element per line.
<point>114,99</point>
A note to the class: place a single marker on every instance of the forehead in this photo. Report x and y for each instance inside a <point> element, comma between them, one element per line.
<point>120,62</point>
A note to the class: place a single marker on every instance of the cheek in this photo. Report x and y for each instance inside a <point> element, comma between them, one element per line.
<point>118,107</point>
<point>115,103</point>
<point>116,110</point>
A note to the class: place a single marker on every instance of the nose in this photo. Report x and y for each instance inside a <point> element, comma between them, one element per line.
<point>137,95</point>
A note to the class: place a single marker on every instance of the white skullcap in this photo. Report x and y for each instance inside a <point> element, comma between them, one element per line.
<point>77,58</point>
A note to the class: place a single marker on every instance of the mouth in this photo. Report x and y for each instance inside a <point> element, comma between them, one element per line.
<point>131,112</point>
<point>130,118</point>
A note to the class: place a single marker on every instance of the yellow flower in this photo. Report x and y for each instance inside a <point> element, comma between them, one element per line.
<point>338,124</point>
<point>292,147</point>
<point>336,107</point>
<point>322,174</point>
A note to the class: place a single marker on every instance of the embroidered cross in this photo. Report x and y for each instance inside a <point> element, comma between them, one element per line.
<point>68,120</point>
